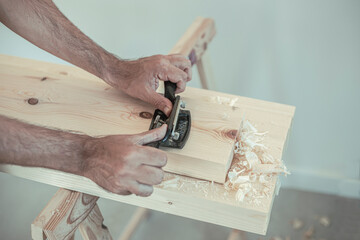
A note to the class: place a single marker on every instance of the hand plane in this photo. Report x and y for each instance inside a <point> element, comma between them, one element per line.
<point>179,121</point>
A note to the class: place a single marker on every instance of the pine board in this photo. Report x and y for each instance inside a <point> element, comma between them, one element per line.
<point>20,79</point>
<point>86,104</point>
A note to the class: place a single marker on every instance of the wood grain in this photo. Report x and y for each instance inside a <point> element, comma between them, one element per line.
<point>63,214</point>
<point>88,105</point>
<point>92,228</point>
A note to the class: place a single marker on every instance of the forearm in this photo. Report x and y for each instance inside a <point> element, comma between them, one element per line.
<point>29,145</point>
<point>42,23</point>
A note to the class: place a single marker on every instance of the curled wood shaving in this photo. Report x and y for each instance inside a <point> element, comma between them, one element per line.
<point>251,175</point>
<point>253,167</point>
<point>224,100</point>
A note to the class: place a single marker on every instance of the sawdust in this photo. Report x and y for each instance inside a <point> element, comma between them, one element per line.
<point>251,176</point>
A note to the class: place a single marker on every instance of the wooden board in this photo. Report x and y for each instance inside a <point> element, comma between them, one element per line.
<point>90,106</point>
<point>77,97</point>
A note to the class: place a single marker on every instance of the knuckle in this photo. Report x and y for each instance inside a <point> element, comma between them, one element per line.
<point>158,103</point>
<point>163,62</point>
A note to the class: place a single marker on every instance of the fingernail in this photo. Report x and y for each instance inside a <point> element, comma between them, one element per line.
<point>167,110</point>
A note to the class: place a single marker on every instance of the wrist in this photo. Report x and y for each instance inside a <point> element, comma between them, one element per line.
<point>91,147</point>
<point>113,69</point>
<point>120,73</point>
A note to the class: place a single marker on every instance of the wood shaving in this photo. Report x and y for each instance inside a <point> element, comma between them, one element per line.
<point>224,100</point>
<point>325,221</point>
<point>297,224</point>
<point>253,167</point>
<point>250,178</point>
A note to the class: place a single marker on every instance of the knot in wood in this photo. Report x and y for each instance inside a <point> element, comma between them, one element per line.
<point>44,78</point>
<point>192,57</point>
<point>231,133</point>
<point>33,101</point>
<point>145,115</point>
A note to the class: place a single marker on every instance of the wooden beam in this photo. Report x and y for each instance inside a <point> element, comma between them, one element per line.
<point>205,72</point>
<point>62,215</point>
<point>92,228</point>
<point>196,39</point>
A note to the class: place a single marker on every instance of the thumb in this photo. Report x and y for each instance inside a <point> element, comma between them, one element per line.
<point>151,136</point>
<point>160,102</point>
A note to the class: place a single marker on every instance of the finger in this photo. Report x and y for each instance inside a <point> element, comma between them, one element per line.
<point>180,87</point>
<point>173,74</point>
<point>181,62</point>
<point>152,157</point>
<point>160,102</point>
<point>123,192</point>
<point>150,175</point>
<point>140,189</point>
<point>150,136</point>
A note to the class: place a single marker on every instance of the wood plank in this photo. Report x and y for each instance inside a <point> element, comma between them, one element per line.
<point>205,72</point>
<point>196,39</point>
<point>70,103</point>
<point>211,204</point>
<point>62,215</point>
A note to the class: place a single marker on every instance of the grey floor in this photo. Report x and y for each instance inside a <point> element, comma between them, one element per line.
<point>21,201</point>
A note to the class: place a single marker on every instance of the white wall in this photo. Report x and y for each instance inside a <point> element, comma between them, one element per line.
<point>303,53</point>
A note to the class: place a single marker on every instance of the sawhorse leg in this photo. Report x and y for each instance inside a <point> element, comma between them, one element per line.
<point>65,213</point>
<point>68,211</point>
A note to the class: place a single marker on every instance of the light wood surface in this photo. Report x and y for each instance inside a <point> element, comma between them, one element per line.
<point>196,39</point>
<point>88,105</point>
<point>92,228</point>
<point>21,79</point>
<point>62,215</point>
<point>205,72</point>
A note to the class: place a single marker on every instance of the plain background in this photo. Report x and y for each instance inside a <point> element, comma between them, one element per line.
<point>302,53</point>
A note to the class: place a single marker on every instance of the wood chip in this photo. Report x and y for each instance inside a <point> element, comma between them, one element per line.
<point>297,224</point>
<point>325,221</point>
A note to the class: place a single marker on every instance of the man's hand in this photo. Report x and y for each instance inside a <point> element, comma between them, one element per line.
<point>140,78</point>
<point>118,163</point>
<point>122,165</point>
<point>43,24</point>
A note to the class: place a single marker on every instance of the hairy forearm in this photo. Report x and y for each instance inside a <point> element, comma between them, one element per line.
<point>29,145</point>
<point>42,23</point>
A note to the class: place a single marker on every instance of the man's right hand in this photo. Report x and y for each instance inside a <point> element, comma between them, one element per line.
<point>122,165</point>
